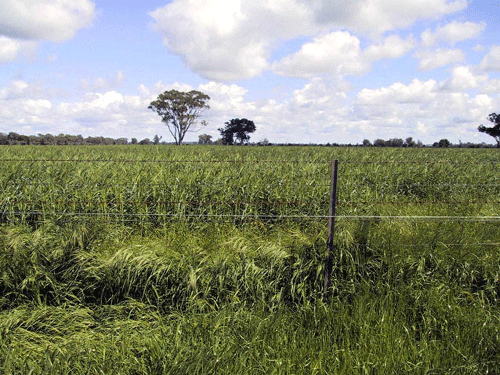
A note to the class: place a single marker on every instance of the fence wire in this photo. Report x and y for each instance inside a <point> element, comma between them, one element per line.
<point>255,161</point>
<point>258,216</point>
<point>116,203</point>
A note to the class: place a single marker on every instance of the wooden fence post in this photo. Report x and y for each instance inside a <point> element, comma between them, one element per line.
<point>331,232</point>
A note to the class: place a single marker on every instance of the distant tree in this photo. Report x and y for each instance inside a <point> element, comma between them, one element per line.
<point>133,141</point>
<point>494,131</point>
<point>264,142</point>
<point>179,110</point>
<point>121,141</point>
<point>17,139</point>
<point>409,142</point>
<point>145,141</point>
<point>444,143</point>
<point>379,143</point>
<point>4,140</point>
<point>395,142</point>
<point>237,129</point>
<point>227,136</point>
<point>47,139</point>
<point>156,139</point>
<point>366,143</point>
<point>204,139</point>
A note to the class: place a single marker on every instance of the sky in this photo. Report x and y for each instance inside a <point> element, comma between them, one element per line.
<point>305,71</point>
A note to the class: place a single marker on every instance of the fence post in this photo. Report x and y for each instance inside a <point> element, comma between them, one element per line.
<point>331,232</point>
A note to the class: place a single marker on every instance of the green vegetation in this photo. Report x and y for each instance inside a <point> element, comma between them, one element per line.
<point>210,259</point>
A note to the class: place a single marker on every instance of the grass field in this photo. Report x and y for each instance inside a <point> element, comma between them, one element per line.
<point>210,259</point>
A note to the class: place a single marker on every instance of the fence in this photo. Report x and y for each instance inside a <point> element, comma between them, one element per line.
<point>241,203</point>
<point>19,200</point>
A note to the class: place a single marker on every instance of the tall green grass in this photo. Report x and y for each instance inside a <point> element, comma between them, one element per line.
<point>177,290</point>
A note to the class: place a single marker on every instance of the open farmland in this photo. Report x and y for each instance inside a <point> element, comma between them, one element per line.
<point>210,259</point>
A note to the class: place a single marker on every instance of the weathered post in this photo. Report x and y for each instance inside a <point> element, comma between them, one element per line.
<point>331,233</point>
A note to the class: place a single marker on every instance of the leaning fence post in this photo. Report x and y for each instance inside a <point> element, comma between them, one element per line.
<point>331,232</point>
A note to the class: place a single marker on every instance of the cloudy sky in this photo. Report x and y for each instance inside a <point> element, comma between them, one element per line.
<point>303,70</point>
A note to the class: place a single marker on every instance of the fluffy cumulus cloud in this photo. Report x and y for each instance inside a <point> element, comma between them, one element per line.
<point>229,39</point>
<point>427,110</point>
<point>338,53</point>
<point>392,47</point>
<point>234,39</point>
<point>44,19</point>
<point>19,89</point>
<point>492,59</point>
<point>23,106</point>
<point>432,59</point>
<point>463,78</point>
<point>319,111</point>
<point>9,49</point>
<point>452,33</point>
<point>228,98</point>
<point>416,92</point>
<point>374,17</point>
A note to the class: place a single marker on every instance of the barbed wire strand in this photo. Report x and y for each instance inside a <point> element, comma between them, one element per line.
<point>257,161</point>
<point>118,202</point>
<point>180,215</point>
<point>280,184</point>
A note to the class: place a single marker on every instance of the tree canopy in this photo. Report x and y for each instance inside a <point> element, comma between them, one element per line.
<point>494,131</point>
<point>237,129</point>
<point>179,110</point>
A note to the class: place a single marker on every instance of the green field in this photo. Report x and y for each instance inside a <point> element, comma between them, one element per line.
<point>210,260</point>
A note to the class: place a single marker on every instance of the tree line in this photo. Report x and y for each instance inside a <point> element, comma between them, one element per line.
<point>68,139</point>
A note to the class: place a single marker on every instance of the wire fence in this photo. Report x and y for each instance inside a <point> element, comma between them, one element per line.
<point>108,207</point>
<point>243,161</point>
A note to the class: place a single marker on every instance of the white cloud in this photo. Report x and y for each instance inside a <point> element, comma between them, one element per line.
<point>37,107</point>
<point>229,39</point>
<point>45,19</point>
<point>374,17</point>
<point>9,49</point>
<point>440,57</point>
<point>492,86</point>
<point>392,47</point>
<point>425,111</point>
<point>227,98</point>
<point>416,92</point>
<point>226,40</point>
<point>16,89</point>
<point>452,33</point>
<point>463,79</point>
<point>422,128</point>
<point>20,103</point>
<point>337,53</point>
<point>319,111</point>
<point>316,93</point>
<point>492,60</point>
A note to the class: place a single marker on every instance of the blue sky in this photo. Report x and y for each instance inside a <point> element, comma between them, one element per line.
<point>303,70</point>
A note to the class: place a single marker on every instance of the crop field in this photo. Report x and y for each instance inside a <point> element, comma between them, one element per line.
<point>210,260</point>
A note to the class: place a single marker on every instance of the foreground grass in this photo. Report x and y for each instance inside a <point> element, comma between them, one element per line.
<point>359,337</point>
<point>102,294</point>
<point>227,301</point>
